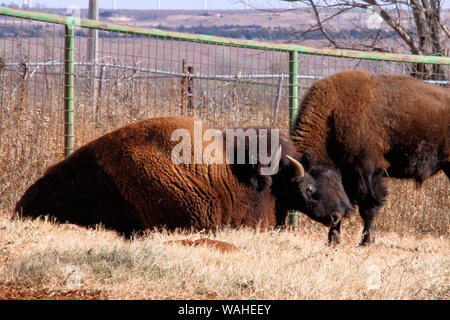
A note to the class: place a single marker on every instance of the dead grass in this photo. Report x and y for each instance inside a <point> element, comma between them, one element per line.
<point>280,264</point>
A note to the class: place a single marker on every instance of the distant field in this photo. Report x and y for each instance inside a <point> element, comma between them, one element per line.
<point>298,18</point>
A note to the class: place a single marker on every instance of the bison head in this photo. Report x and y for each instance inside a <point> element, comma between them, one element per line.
<point>317,191</point>
<point>297,182</point>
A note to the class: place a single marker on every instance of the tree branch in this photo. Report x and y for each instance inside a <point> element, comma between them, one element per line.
<point>320,24</point>
<point>395,26</point>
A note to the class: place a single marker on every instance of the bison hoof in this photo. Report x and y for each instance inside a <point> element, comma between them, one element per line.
<point>367,240</point>
<point>334,238</point>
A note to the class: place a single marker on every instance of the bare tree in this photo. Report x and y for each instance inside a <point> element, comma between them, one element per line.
<point>415,26</point>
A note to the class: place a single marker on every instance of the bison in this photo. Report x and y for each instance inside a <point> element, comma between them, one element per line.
<point>132,179</point>
<point>368,126</point>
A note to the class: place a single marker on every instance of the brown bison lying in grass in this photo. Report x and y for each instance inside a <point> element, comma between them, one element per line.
<point>127,180</point>
<point>373,125</point>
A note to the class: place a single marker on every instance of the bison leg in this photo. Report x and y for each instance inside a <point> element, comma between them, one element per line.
<point>370,206</point>
<point>365,187</point>
<point>368,235</point>
<point>334,235</point>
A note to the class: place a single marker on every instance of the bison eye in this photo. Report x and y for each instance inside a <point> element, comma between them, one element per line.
<point>310,189</point>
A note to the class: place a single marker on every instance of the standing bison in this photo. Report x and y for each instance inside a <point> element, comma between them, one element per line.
<point>371,125</point>
<point>133,179</point>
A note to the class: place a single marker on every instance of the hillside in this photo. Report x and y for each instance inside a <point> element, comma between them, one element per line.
<point>274,25</point>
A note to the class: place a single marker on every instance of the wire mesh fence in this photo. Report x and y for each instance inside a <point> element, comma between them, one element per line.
<point>137,77</point>
<point>130,76</point>
<point>31,96</point>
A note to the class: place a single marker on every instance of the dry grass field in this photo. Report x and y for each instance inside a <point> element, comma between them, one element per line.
<point>41,260</point>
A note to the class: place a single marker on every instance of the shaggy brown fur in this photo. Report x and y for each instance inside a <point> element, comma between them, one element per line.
<point>127,181</point>
<point>367,125</point>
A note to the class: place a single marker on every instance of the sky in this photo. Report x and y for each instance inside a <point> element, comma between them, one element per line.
<point>148,4</point>
<point>165,4</point>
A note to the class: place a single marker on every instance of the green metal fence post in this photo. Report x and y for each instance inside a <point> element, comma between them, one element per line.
<point>69,134</point>
<point>293,87</point>
<point>293,104</point>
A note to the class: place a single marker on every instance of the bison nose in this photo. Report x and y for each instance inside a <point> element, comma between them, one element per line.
<point>336,217</point>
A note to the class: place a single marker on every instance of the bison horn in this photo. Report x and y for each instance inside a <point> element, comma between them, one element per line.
<point>299,170</point>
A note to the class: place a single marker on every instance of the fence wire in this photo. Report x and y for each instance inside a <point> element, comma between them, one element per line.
<point>136,77</point>
<point>130,77</point>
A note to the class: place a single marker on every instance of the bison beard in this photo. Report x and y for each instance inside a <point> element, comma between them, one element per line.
<point>368,126</point>
<point>127,181</point>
